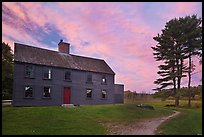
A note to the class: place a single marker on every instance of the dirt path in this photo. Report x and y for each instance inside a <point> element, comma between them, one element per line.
<point>144,127</point>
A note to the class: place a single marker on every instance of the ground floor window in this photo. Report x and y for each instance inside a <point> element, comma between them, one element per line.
<point>47,92</point>
<point>28,91</point>
<point>88,93</point>
<point>104,94</point>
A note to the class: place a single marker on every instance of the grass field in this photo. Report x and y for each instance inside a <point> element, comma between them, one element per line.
<point>188,123</point>
<point>86,120</point>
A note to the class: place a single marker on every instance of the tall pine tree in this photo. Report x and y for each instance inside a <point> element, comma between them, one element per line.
<point>192,43</point>
<point>173,49</point>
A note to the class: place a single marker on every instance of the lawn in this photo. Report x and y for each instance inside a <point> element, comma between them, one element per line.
<point>88,120</point>
<point>82,120</point>
<point>188,123</point>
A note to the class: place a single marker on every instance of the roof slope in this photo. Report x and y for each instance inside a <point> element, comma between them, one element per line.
<point>34,55</point>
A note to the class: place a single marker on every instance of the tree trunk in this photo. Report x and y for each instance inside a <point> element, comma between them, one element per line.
<point>177,101</point>
<point>174,82</point>
<point>189,82</point>
<point>179,74</point>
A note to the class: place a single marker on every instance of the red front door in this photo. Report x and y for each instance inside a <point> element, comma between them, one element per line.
<point>67,95</point>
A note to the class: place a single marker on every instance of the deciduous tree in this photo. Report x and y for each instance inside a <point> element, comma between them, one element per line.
<point>7,71</point>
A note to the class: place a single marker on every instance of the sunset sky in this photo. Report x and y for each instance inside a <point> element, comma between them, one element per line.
<point>121,33</point>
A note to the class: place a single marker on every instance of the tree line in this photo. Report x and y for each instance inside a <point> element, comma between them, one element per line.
<point>7,71</point>
<point>179,42</point>
<point>183,92</point>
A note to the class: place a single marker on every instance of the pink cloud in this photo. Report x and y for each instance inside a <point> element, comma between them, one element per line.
<point>15,7</point>
<point>186,7</point>
<point>123,42</point>
<point>179,9</point>
<point>20,36</point>
<point>35,10</point>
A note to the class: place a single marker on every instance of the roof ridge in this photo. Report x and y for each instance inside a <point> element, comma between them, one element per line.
<point>37,55</point>
<point>57,51</point>
<point>35,47</point>
<point>87,57</point>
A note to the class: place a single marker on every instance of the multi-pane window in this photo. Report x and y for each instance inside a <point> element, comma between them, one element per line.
<point>88,93</point>
<point>47,73</point>
<point>28,91</point>
<point>29,71</point>
<point>103,80</point>
<point>104,94</point>
<point>67,75</point>
<point>89,78</point>
<point>46,92</point>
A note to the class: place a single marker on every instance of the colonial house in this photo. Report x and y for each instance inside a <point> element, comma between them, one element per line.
<point>49,78</point>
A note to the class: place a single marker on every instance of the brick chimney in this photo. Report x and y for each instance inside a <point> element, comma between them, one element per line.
<point>63,47</point>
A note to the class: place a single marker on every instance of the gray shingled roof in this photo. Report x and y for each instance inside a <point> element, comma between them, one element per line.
<point>34,55</point>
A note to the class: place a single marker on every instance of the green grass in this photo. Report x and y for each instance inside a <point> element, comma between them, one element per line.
<point>188,123</point>
<point>86,120</point>
<point>81,120</point>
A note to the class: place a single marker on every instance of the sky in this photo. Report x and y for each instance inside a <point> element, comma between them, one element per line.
<point>121,33</point>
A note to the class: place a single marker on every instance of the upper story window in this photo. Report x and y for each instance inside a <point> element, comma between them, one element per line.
<point>104,94</point>
<point>88,93</point>
<point>103,80</point>
<point>29,71</point>
<point>47,73</point>
<point>28,91</point>
<point>47,92</point>
<point>67,76</point>
<point>89,78</point>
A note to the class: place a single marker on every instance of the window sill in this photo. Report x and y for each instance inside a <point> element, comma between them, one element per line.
<point>28,97</point>
<point>89,82</point>
<point>46,98</point>
<point>67,80</point>
<point>47,79</point>
<point>89,98</point>
<point>29,77</point>
<point>104,99</point>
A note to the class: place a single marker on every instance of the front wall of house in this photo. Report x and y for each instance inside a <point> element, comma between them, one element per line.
<point>78,87</point>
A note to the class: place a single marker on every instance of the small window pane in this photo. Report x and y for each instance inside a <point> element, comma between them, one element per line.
<point>104,93</point>
<point>103,79</point>
<point>88,93</point>
<point>46,92</point>
<point>67,75</point>
<point>89,78</point>
<point>29,72</point>
<point>28,92</point>
<point>47,73</point>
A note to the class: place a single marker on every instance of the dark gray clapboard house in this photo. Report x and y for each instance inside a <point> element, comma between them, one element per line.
<point>47,78</point>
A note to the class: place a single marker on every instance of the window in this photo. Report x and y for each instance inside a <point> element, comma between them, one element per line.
<point>67,76</point>
<point>89,78</point>
<point>47,73</point>
<point>28,91</point>
<point>103,80</point>
<point>29,71</point>
<point>88,93</point>
<point>104,94</point>
<point>46,92</point>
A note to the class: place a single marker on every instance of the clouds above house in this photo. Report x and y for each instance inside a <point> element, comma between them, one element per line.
<point>120,33</point>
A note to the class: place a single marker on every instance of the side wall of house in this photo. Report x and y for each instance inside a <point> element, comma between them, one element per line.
<point>119,93</point>
<point>78,87</point>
